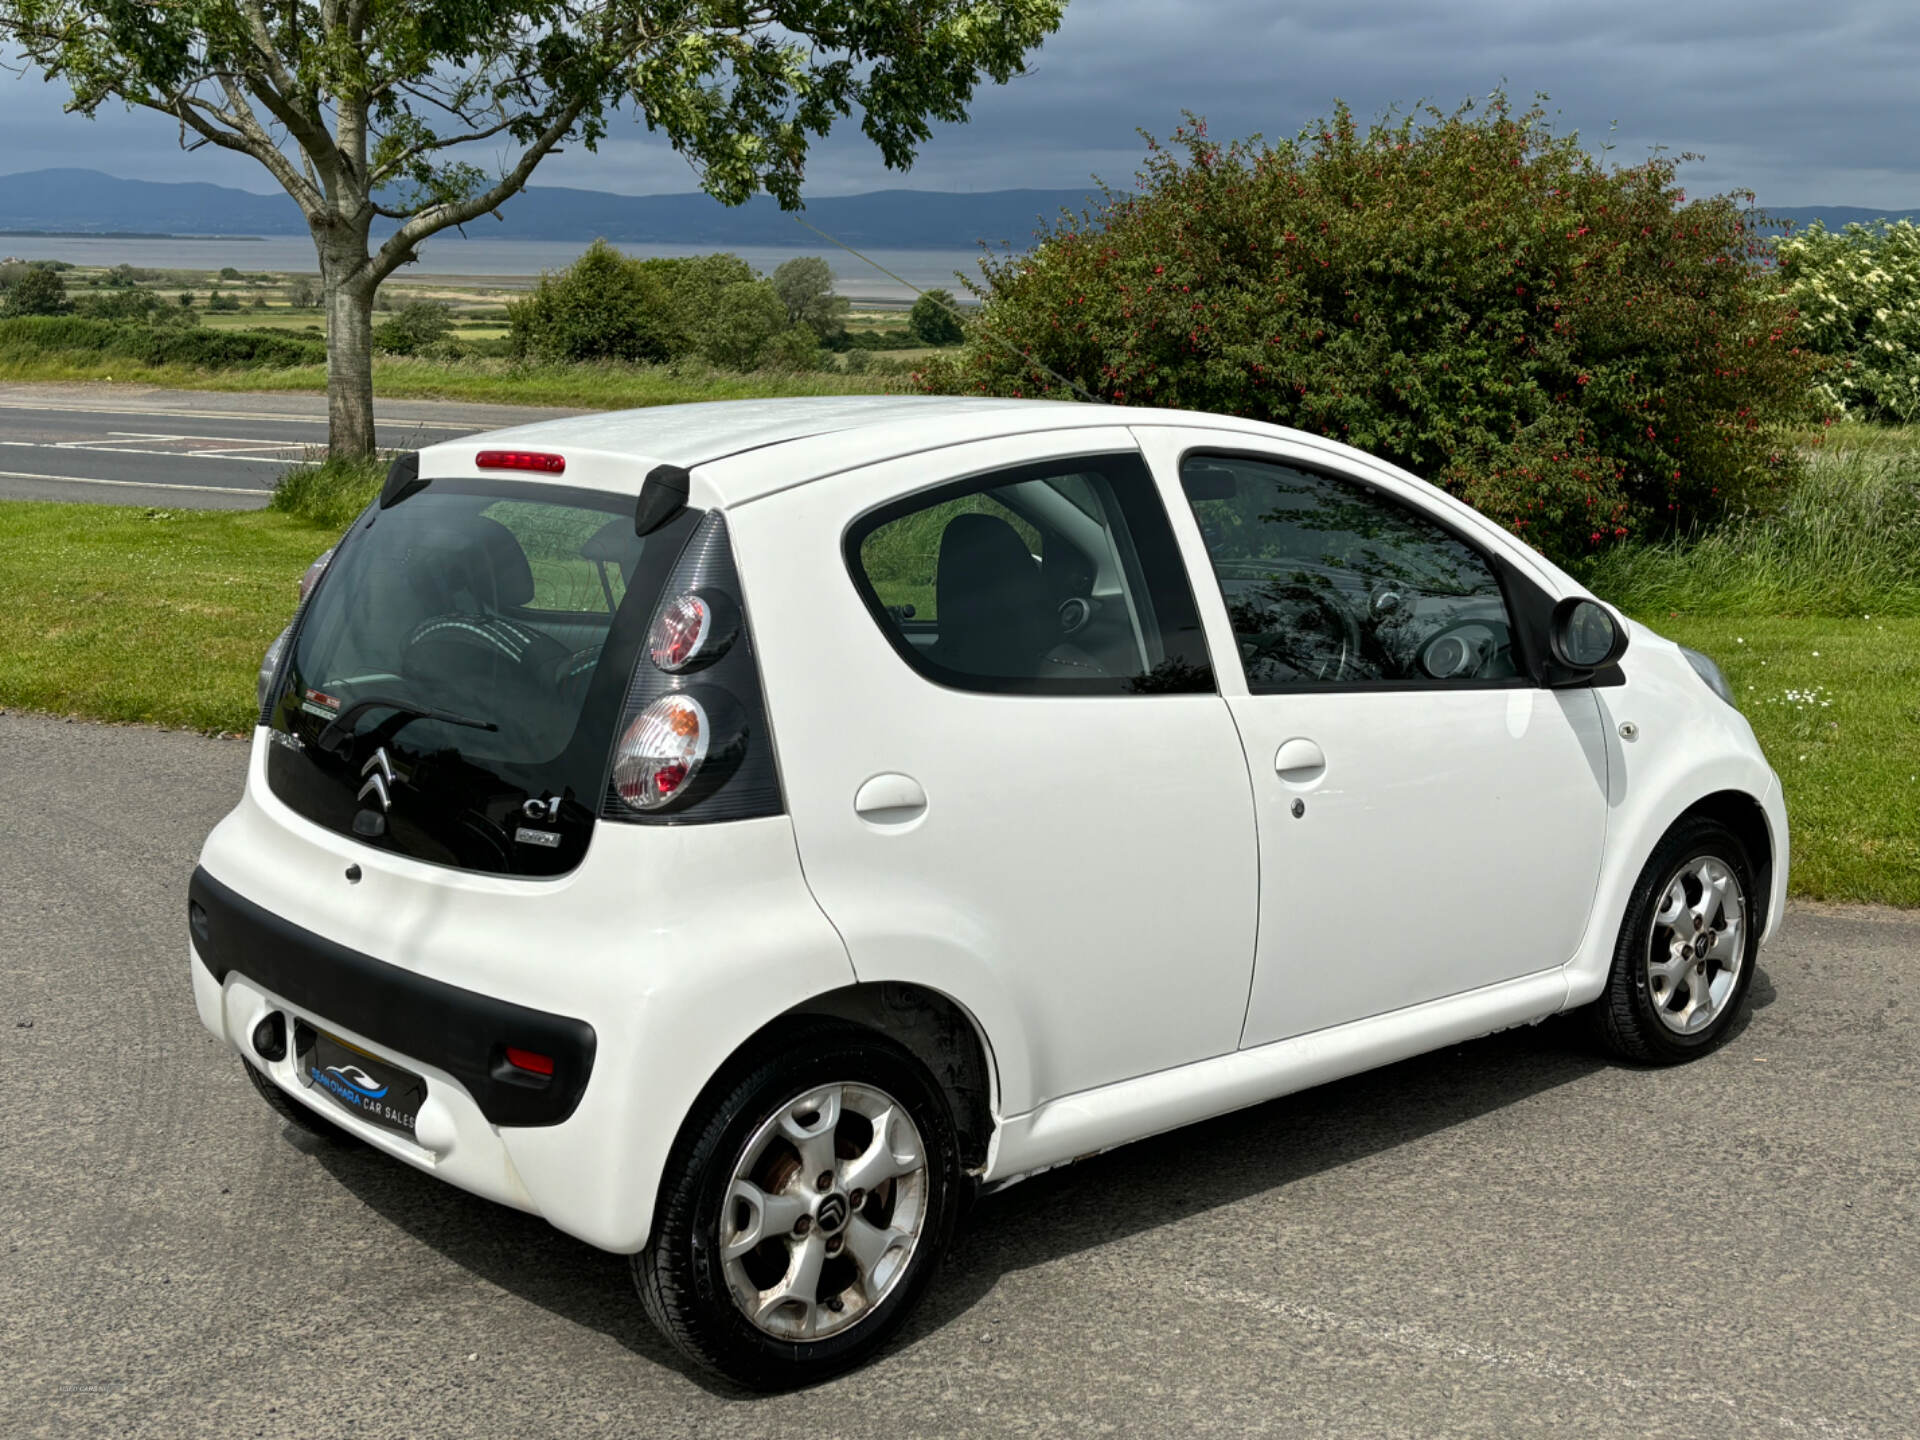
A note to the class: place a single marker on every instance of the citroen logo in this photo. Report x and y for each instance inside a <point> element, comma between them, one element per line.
<point>832,1214</point>
<point>380,779</point>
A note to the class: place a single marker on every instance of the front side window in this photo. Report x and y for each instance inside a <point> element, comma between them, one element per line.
<point>1055,578</point>
<point>1329,582</point>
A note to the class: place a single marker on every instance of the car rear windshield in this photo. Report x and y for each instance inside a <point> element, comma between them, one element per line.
<point>453,687</point>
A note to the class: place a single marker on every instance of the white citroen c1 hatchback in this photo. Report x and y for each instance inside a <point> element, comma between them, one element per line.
<point>736,832</point>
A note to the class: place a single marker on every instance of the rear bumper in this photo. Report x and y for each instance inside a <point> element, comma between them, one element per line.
<point>460,1032</point>
<point>649,965</point>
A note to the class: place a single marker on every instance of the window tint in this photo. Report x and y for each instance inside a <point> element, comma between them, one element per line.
<point>1328,582</point>
<point>1058,578</point>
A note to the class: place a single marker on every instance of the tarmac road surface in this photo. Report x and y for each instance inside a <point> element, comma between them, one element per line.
<point>189,449</point>
<point>1505,1238</point>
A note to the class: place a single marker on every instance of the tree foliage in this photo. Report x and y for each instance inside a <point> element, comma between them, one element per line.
<point>37,292</point>
<point>386,109</point>
<point>932,320</point>
<point>1858,290</point>
<point>1577,350</point>
<point>805,287</point>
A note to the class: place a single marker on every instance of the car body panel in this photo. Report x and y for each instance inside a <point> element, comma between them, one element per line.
<point>1032,890</point>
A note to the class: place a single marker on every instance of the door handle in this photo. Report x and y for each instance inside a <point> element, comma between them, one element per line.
<point>890,800</point>
<point>1300,761</point>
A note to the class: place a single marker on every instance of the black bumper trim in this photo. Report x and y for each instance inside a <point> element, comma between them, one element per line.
<point>459,1031</point>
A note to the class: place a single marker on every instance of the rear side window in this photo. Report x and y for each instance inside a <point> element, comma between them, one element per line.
<point>1329,582</point>
<point>1055,578</point>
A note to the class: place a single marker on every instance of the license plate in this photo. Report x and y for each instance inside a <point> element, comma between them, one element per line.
<point>361,1083</point>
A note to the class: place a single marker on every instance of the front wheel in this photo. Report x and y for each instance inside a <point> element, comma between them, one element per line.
<point>1686,951</point>
<point>803,1212</point>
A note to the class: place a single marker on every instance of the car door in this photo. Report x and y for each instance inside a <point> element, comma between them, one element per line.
<point>1431,820</point>
<point>1010,772</point>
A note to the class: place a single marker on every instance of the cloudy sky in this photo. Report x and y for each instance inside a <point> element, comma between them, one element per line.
<point>1804,101</point>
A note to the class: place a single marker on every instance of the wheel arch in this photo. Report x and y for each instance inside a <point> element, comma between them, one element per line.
<point>1747,819</point>
<point>931,1026</point>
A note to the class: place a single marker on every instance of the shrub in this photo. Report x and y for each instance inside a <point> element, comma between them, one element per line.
<point>227,272</point>
<point>134,305</point>
<point>1580,352</point>
<point>40,291</point>
<point>301,296</point>
<point>932,320</point>
<point>795,348</point>
<point>217,301</point>
<point>415,327</point>
<point>746,315</point>
<point>1859,296</point>
<point>805,287</point>
<point>602,307</point>
<point>159,345</point>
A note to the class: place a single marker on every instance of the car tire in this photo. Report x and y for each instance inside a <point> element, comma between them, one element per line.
<point>1669,997</point>
<point>743,1225</point>
<point>292,1111</point>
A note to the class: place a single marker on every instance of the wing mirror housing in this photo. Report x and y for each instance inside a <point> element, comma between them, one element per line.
<point>1583,637</point>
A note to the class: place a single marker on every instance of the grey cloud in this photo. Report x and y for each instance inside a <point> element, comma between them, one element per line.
<point>1804,101</point>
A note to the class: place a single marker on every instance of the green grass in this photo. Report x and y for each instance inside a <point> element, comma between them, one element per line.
<point>1849,757</point>
<point>586,387</point>
<point>329,494</point>
<point>1845,541</point>
<point>117,613</point>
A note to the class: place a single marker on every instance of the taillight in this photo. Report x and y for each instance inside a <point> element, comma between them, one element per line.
<point>694,747</point>
<point>531,1061</point>
<point>691,629</point>
<point>270,662</point>
<point>543,461</point>
<point>680,631</point>
<point>661,752</point>
<point>313,573</point>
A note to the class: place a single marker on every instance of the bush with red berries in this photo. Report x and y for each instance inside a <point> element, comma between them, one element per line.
<point>1578,350</point>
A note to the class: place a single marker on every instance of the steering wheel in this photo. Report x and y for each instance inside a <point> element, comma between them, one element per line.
<point>1330,668</point>
<point>1447,654</point>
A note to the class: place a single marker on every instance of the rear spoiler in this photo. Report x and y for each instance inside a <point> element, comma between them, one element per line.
<point>663,494</point>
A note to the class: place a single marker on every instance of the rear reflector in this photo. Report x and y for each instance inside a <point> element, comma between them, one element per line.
<point>527,1060</point>
<point>540,460</point>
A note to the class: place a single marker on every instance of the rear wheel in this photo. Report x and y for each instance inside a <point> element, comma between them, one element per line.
<point>292,1111</point>
<point>1686,951</point>
<point>804,1210</point>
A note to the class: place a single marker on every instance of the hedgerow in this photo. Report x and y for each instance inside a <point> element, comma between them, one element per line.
<point>1858,290</point>
<point>1579,351</point>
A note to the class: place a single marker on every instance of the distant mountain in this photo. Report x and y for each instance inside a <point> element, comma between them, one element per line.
<point>1831,216</point>
<point>88,202</point>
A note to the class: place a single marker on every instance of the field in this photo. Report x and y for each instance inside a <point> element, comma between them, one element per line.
<point>161,616</point>
<point>480,370</point>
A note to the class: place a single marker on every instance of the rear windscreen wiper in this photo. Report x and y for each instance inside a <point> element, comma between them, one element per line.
<point>340,729</point>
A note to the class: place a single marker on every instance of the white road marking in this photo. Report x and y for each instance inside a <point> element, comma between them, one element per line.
<point>71,446</point>
<point>263,416</point>
<point>135,484</point>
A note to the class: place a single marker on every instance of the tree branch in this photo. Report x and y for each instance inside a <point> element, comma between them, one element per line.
<point>435,218</point>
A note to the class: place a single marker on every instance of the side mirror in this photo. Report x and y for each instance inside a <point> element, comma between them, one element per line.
<point>1584,636</point>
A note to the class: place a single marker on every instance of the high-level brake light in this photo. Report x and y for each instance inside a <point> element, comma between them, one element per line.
<point>541,460</point>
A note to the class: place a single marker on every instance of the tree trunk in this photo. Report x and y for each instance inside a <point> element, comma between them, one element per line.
<point>349,366</point>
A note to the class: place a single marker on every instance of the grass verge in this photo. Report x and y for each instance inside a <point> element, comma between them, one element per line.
<point>505,382</point>
<point>115,613</point>
<point>1836,704</point>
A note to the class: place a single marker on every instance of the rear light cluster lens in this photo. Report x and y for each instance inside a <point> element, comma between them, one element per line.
<point>542,461</point>
<point>531,1061</point>
<point>661,752</point>
<point>313,574</point>
<point>684,631</point>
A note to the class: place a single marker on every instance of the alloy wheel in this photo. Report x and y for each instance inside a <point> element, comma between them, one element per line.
<point>1698,945</point>
<point>824,1211</point>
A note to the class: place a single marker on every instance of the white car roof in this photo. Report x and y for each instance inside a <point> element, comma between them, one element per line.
<point>690,435</point>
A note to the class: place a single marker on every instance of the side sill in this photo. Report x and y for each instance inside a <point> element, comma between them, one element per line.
<point>1076,1126</point>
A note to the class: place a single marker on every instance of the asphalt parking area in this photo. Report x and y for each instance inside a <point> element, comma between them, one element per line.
<point>1508,1237</point>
